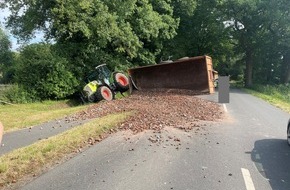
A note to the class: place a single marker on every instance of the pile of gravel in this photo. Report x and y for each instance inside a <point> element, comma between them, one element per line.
<point>156,109</point>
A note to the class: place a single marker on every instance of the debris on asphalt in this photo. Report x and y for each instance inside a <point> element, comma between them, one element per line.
<point>177,139</point>
<point>156,109</point>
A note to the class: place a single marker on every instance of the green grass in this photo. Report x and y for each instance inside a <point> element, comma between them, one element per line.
<point>277,95</point>
<point>20,116</point>
<point>31,160</point>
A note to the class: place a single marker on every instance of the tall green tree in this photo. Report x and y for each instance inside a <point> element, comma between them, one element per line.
<point>245,17</point>
<point>133,29</point>
<point>261,29</point>
<point>279,18</point>
<point>201,32</point>
<point>5,56</point>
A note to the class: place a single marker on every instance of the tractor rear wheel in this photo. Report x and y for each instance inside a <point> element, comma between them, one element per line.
<point>104,93</point>
<point>121,82</point>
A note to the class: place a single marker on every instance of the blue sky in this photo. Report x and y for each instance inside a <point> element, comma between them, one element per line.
<point>4,13</point>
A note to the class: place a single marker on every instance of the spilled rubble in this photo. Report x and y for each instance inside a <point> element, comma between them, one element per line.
<point>156,109</point>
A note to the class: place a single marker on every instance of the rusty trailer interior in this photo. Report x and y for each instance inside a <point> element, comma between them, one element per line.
<point>193,73</point>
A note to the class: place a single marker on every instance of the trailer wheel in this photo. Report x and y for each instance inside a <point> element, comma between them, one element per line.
<point>121,82</point>
<point>104,93</point>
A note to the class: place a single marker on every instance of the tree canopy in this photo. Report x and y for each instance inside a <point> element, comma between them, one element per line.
<point>5,55</point>
<point>5,46</point>
<point>134,29</point>
<point>247,39</point>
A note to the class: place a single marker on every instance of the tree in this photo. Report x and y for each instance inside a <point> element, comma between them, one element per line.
<point>133,29</point>
<point>43,73</point>
<point>245,15</point>
<point>261,29</point>
<point>279,28</point>
<point>201,32</point>
<point>5,56</point>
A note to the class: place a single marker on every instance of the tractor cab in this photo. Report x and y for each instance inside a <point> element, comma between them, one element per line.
<point>101,75</point>
<point>103,84</point>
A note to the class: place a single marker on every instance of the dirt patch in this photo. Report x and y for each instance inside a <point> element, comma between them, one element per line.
<point>156,109</point>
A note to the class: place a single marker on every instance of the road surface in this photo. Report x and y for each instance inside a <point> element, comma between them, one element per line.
<point>27,136</point>
<point>246,151</point>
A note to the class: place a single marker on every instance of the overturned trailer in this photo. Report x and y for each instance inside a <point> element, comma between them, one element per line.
<point>193,73</point>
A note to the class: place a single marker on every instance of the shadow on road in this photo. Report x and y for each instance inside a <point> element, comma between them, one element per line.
<point>272,159</point>
<point>234,90</point>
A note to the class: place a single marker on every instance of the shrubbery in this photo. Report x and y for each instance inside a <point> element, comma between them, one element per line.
<point>42,74</point>
<point>17,94</point>
<point>43,71</point>
<point>278,91</point>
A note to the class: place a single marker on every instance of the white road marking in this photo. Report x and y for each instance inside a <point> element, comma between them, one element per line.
<point>248,179</point>
<point>225,108</point>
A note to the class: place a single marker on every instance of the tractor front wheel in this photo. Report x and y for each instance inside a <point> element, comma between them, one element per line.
<point>121,82</point>
<point>104,93</point>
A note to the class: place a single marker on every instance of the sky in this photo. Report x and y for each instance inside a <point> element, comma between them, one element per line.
<point>4,13</point>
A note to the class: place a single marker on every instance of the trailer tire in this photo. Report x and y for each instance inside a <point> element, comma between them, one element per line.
<point>121,82</point>
<point>104,93</point>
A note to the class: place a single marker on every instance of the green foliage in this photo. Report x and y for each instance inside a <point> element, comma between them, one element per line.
<point>5,45</point>
<point>44,73</point>
<point>278,95</point>
<point>5,56</point>
<point>184,7</point>
<point>260,28</point>
<point>281,92</point>
<point>247,39</point>
<point>18,94</point>
<point>201,32</point>
<point>133,29</point>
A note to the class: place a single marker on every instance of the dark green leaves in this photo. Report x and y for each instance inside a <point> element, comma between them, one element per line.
<point>44,73</point>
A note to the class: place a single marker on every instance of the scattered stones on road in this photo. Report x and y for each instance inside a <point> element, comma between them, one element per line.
<point>156,109</point>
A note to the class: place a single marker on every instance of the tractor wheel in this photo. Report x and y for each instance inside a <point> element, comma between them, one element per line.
<point>86,96</point>
<point>104,93</point>
<point>91,98</point>
<point>121,82</point>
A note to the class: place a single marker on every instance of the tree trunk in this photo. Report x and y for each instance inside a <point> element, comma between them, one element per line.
<point>249,69</point>
<point>285,69</point>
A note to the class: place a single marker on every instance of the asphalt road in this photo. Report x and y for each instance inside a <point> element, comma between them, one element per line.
<point>27,136</point>
<point>246,151</point>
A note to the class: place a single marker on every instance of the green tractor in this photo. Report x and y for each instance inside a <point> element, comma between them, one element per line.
<point>103,84</point>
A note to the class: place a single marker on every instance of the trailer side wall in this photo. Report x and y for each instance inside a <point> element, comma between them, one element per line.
<point>193,73</point>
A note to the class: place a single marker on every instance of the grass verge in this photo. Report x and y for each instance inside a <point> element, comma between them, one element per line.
<point>19,116</point>
<point>278,96</point>
<point>31,160</point>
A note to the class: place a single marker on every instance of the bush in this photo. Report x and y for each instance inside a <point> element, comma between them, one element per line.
<point>17,94</point>
<point>44,74</point>
<point>281,92</point>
